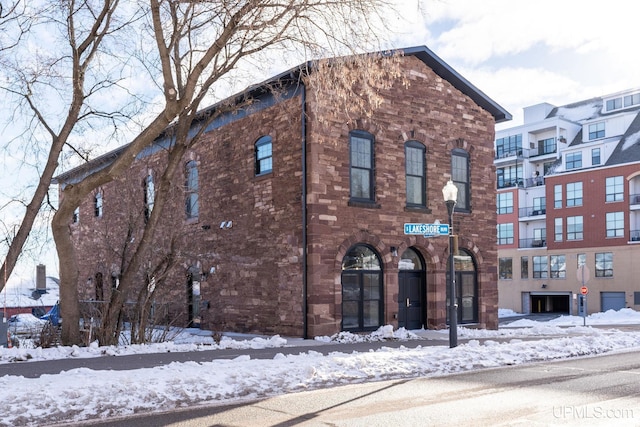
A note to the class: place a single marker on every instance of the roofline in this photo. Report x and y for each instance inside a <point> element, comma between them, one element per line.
<point>423,53</point>
<point>445,71</point>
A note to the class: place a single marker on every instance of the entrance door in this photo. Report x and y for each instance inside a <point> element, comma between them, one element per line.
<point>411,291</point>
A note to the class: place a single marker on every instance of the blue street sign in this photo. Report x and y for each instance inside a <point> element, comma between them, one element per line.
<point>427,230</point>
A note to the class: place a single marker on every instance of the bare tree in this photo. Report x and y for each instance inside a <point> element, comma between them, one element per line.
<point>190,49</point>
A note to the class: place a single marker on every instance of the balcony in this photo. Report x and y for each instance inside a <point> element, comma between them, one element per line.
<point>634,201</point>
<point>634,236</point>
<point>532,243</point>
<point>531,211</point>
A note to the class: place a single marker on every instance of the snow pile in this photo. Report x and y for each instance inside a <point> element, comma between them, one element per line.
<point>82,393</point>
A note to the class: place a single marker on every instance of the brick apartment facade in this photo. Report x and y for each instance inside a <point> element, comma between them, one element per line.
<point>298,225</point>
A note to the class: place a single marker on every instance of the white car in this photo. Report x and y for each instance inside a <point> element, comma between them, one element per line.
<point>25,325</point>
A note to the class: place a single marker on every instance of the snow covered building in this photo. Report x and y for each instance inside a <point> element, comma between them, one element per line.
<point>568,204</point>
<point>291,222</point>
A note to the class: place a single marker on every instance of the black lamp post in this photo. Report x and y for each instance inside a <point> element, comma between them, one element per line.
<point>450,194</point>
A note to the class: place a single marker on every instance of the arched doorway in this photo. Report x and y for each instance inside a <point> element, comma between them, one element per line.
<point>466,287</point>
<point>411,290</point>
<point>362,295</point>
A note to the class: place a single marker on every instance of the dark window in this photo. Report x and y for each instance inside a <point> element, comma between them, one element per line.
<point>596,131</point>
<point>362,166</point>
<point>524,267</point>
<point>595,156</point>
<point>574,160</point>
<point>191,189</point>
<point>505,268</point>
<point>362,291</point>
<point>460,177</point>
<point>415,173</point>
<point>264,155</point>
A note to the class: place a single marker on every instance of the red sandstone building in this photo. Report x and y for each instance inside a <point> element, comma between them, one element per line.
<point>292,223</point>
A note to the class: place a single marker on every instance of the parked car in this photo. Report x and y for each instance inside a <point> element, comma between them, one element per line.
<point>25,326</point>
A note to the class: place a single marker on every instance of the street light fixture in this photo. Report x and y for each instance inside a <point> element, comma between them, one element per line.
<point>450,194</point>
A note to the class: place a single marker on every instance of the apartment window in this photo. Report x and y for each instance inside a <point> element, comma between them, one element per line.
<point>604,264</point>
<point>595,156</point>
<point>97,205</point>
<point>574,228</point>
<point>614,189</point>
<point>547,146</point>
<point>76,215</point>
<point>540,237</point>
<point>557,229</point>
<point>191,189</point>
<point>557,196</point>
<point>596,131</point>
<point>630,100</point>
<point>264,155</point>
<point>149,195</point>
<point>509,146</point>
<point>505,203</point>
<point>524,267</point>
<point>505,234</point>
<point>614,104</point>
<point>539,205</point>
<point>574,194</point>
<point>460,177</point>
<point>581,259</point>
<point>615,224</point>
<point>361,169</point>
<point>506,268</point>
<point>540,267</point>
<point>558,266</point>
<point>574,160</point>
<point>415,173</point>
<point>509,176</point>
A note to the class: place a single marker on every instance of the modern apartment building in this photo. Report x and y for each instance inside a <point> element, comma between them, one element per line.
<point>568,204</point>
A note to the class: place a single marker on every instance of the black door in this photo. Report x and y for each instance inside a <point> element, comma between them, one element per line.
<point>411,300</point>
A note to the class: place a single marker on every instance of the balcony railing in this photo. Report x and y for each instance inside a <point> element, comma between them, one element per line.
<point>531,211</point>
<point>532,243</point>
<point>634,235</point>
<point>634,199</point>
<point>521,182</point>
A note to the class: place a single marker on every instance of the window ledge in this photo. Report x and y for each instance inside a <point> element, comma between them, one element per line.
<point>420,209</point>
<point>363,204</point>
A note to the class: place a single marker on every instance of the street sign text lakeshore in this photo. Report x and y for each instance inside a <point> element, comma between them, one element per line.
<point>427,229</point>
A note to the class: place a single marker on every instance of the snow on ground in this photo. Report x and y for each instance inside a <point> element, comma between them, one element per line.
<point>83,393</point>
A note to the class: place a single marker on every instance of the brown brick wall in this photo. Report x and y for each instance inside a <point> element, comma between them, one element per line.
<point>257,285</point>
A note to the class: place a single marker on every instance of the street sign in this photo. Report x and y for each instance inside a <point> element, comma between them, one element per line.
<point>584,290</point>
<point>426,230</point>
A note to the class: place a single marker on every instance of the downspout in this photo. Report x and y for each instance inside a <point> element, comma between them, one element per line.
<point>304,208</point>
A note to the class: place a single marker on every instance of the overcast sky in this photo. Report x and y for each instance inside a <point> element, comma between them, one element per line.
<point>521,53</point>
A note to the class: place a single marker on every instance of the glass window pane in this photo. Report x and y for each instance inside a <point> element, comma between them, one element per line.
<point>349,314</point>
<point>371,315</point>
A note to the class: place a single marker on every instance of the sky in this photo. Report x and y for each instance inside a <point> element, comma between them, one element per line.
<point>518,52</point>
<point>79,394</point>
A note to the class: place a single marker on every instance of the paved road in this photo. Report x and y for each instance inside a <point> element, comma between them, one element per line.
<point>595,391</point>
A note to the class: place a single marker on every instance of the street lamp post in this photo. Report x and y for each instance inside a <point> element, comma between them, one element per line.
<point>450,194</point>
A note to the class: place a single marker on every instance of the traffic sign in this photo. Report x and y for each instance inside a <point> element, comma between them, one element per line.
<point>426,230</point>
<point>584,290</point>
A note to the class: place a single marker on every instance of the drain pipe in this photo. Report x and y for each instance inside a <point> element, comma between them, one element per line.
<point>304,208</point>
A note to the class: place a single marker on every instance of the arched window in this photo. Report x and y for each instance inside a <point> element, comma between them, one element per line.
<point>414,154</point>
<point>460,177</point>
<point>264,155</point>
<point>361,169</point>
<point>97,204</point>
<point>362,294</point>
<point>191,189</point>
<point>149,195</point>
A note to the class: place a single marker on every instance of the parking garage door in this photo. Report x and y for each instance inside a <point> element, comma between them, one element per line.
<point>612,300</point>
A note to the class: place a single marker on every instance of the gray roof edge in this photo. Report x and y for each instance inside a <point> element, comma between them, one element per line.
<point>445,71</point>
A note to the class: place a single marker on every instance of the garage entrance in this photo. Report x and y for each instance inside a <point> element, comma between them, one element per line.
<point>550,303</point>
<point>612,301</point>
